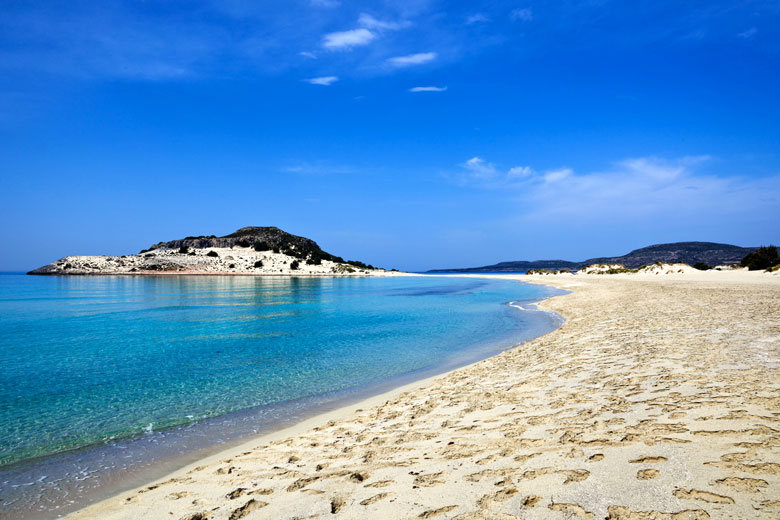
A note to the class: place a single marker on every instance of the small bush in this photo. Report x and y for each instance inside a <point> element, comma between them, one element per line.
<point>357,263</point>
<point>243,243</point>
<point>294,265</point>
<point>261,246</point>
<point>258,264</point>
<point>276,250</point>
<point>184,250</point>
<point>232,266</point>
<point>701,266</point>
<point>761,258</point>
<point>773,269</point>
<point>213,254</point>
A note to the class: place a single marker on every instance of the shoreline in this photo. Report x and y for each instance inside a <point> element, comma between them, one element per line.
<point>643,403</point>
<point>323,407</point>
<point>227,273</point>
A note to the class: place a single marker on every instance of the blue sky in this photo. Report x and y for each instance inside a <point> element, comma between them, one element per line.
<point>409,134</point>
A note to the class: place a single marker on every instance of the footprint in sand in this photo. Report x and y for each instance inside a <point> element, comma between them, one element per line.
<point>748,485</point>
<point>649,460</point>
<point>375,498</point>
<point>177,496</point>
<point>251,505</point>
<point>571,509</point>
<point>704,496</point>
<point>647,474</point>
<point>431,513</point>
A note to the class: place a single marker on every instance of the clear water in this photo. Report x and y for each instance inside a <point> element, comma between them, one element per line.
<point>99,363</point>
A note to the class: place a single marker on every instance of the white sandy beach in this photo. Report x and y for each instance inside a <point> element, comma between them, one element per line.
<point>659,398</point>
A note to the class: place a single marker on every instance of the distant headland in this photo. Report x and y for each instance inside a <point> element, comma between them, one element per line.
<point>249,250</point>
<point>691,253</point>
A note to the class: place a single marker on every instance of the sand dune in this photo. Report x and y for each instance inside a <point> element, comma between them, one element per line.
<point>659,398</point>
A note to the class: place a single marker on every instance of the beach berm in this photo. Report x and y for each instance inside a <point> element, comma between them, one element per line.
<point>659,398</point>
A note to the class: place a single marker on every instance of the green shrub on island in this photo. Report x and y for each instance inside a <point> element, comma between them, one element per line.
<point>294,265</point>
<point>360,264</point>
<point>213,254</point>
<point>619,270</point>
<point>184,250</point>
<point>549,271</point>
<point>762,258</point>
<point>701,266</point>
<point>773,269</point>
<point>258,264</point>
<point>244,243</point>
<point>261,246</point>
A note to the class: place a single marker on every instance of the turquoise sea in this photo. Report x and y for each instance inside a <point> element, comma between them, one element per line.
<point>105,380</point>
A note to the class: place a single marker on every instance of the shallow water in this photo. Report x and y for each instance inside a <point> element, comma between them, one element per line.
<point>108,381</point>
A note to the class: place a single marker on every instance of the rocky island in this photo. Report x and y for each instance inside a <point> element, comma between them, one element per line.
<point>247,251</point>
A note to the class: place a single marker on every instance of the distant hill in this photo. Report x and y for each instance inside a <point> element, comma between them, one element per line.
<point>684,252</point>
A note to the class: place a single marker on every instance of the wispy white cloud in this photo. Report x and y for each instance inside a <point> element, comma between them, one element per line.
<point>368,21</point>
<point>412,59</point>
<point>479,170</point>
<point>323,80</point>
<point>748,34</point>
<point>557,175</point>
<point>524,14</point>
<point>519,172</point>
<point>427,89</point>
<point>477,18</point>
<point>348,39</point>
<point>307,54</point>
<point>485,174</point>
<point>632,190</point>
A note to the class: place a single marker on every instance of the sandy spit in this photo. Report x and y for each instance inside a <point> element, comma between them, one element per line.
<point>659,398</point>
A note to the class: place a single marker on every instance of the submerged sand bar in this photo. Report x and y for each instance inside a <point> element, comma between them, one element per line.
<point>659,398</point>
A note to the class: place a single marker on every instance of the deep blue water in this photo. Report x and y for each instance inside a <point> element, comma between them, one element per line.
<point>102,362</point>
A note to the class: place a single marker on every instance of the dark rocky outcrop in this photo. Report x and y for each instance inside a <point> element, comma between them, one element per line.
<point>270,238</point>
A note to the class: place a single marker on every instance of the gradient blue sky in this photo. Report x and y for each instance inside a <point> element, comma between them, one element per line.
<point>410,134</point>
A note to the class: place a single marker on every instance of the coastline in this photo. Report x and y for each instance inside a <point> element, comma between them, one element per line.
<point>169,450</point>
<point>292,441</point>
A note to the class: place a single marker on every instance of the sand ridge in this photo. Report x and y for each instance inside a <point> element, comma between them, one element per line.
<point>659,398</point>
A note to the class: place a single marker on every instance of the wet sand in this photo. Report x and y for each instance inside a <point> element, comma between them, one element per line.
<point>659,398</point>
